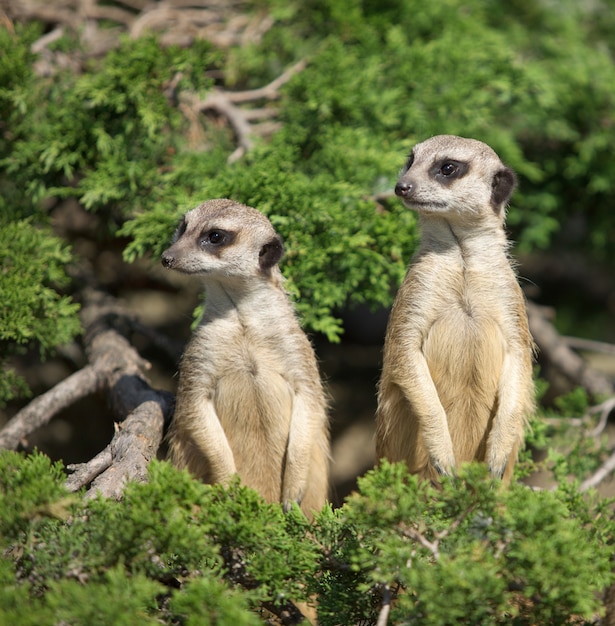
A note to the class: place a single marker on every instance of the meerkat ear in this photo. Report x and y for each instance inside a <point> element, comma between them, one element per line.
<point>270,253</point>
<point>502,187</point>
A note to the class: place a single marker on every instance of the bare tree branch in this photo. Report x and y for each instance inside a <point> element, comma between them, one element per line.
<point>595,479</point>
<point>383,615</point>
<point>116,369</point>
<point>178,22</point>
<point>84,473</point>
<point>604,408</point>
<point>590,345</point>
<point>43,408</point>
<point>270,91</point>
<point>134,445</point>
<point>415,535</point>
<point>555,349</point>
<point>224,104</point>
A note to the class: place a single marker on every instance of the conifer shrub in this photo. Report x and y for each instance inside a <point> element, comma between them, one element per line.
<point>177,551</point>
<point>379,78</point>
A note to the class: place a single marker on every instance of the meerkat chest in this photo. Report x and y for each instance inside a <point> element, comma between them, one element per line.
<point>471,287</point>
<point>248,380</point>
<point>467,319</point>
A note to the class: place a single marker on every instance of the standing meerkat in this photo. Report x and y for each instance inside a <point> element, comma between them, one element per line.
<point>249,400</point>
<point>456,382</point>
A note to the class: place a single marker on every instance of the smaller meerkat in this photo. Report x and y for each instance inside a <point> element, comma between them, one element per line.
<point>249,400</point>
<point>456,382</point>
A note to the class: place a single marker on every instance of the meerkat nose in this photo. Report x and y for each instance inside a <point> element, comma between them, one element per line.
<point>403,190</point>
<point>167,260</point>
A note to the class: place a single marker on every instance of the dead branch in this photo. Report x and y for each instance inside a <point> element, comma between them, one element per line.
<point>590,345</point>
<point>43,408</point>
<point>415,535</point>
<point>116,369</point>
<point>219,102</point>
<point>434,546</point>
<point>142,409</point>
<point>134,445</point>
<point>595,479</point>
<point>560,356</point>
<point>604,408</point>
<point>84,473</point>
<point>270,91</point>
<point>383,615</point>
<point>178,22</point>
<point>224,104</point>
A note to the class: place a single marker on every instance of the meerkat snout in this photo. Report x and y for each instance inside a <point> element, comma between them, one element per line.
<point>167,260</point>
<point>403,189</point>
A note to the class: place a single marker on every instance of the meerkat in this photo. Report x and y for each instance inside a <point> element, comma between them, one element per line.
<point>250,399</point>
<point>456,383</point>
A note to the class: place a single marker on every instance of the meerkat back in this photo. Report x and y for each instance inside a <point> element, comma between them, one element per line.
<point>456,382</point>
<point>249,400</point>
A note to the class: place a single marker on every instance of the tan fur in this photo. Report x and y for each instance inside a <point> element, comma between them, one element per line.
<point>249,400</point>
<point>456,383</point>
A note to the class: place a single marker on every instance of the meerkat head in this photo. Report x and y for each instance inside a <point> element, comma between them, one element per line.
<point>224,239</point>
<point>453,176</point>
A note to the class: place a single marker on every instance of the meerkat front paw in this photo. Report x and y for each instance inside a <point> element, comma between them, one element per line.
<point>497,464</point>
<point>445,466</point>
<point>287,504</point>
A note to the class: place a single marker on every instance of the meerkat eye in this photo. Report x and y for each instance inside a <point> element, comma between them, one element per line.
<point>215,238</point>
<point>448,169</point>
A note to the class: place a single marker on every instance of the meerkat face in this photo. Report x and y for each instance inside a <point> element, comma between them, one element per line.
<point>451,176</point>
<point>221,238</point>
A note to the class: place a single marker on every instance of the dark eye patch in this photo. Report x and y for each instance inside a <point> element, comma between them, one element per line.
<point>408,164</point>
<point>179,231</point>
<point>447,170</point>
<point>215,238</point>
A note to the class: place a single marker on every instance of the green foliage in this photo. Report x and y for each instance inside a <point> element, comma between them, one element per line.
<point>33,312</point>
<point>120,129</point>
<point>100,137</point>
<point>207,601</point>
<point>177,551</point>
<point>563,432</point>
<point>30,491</point>
<point>464,68</point>
<point>380,76</point>
<point>471,552</point>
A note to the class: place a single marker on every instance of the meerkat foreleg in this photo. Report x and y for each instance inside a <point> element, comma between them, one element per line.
<point>507,429</point>
<point>298,453</point>
<point>209,438</point>
<point>420,391</point>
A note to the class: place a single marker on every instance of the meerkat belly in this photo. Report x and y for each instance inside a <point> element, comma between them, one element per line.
<point>465,352</point>
<point>254,403</point>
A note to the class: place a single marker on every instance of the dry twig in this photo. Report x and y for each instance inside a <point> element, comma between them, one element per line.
<point>43,408</point>
<point>116,369</point>
<point>224,103</point>
<point>385,609</point>
<point>597,477</point>
<point>555,350</point>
